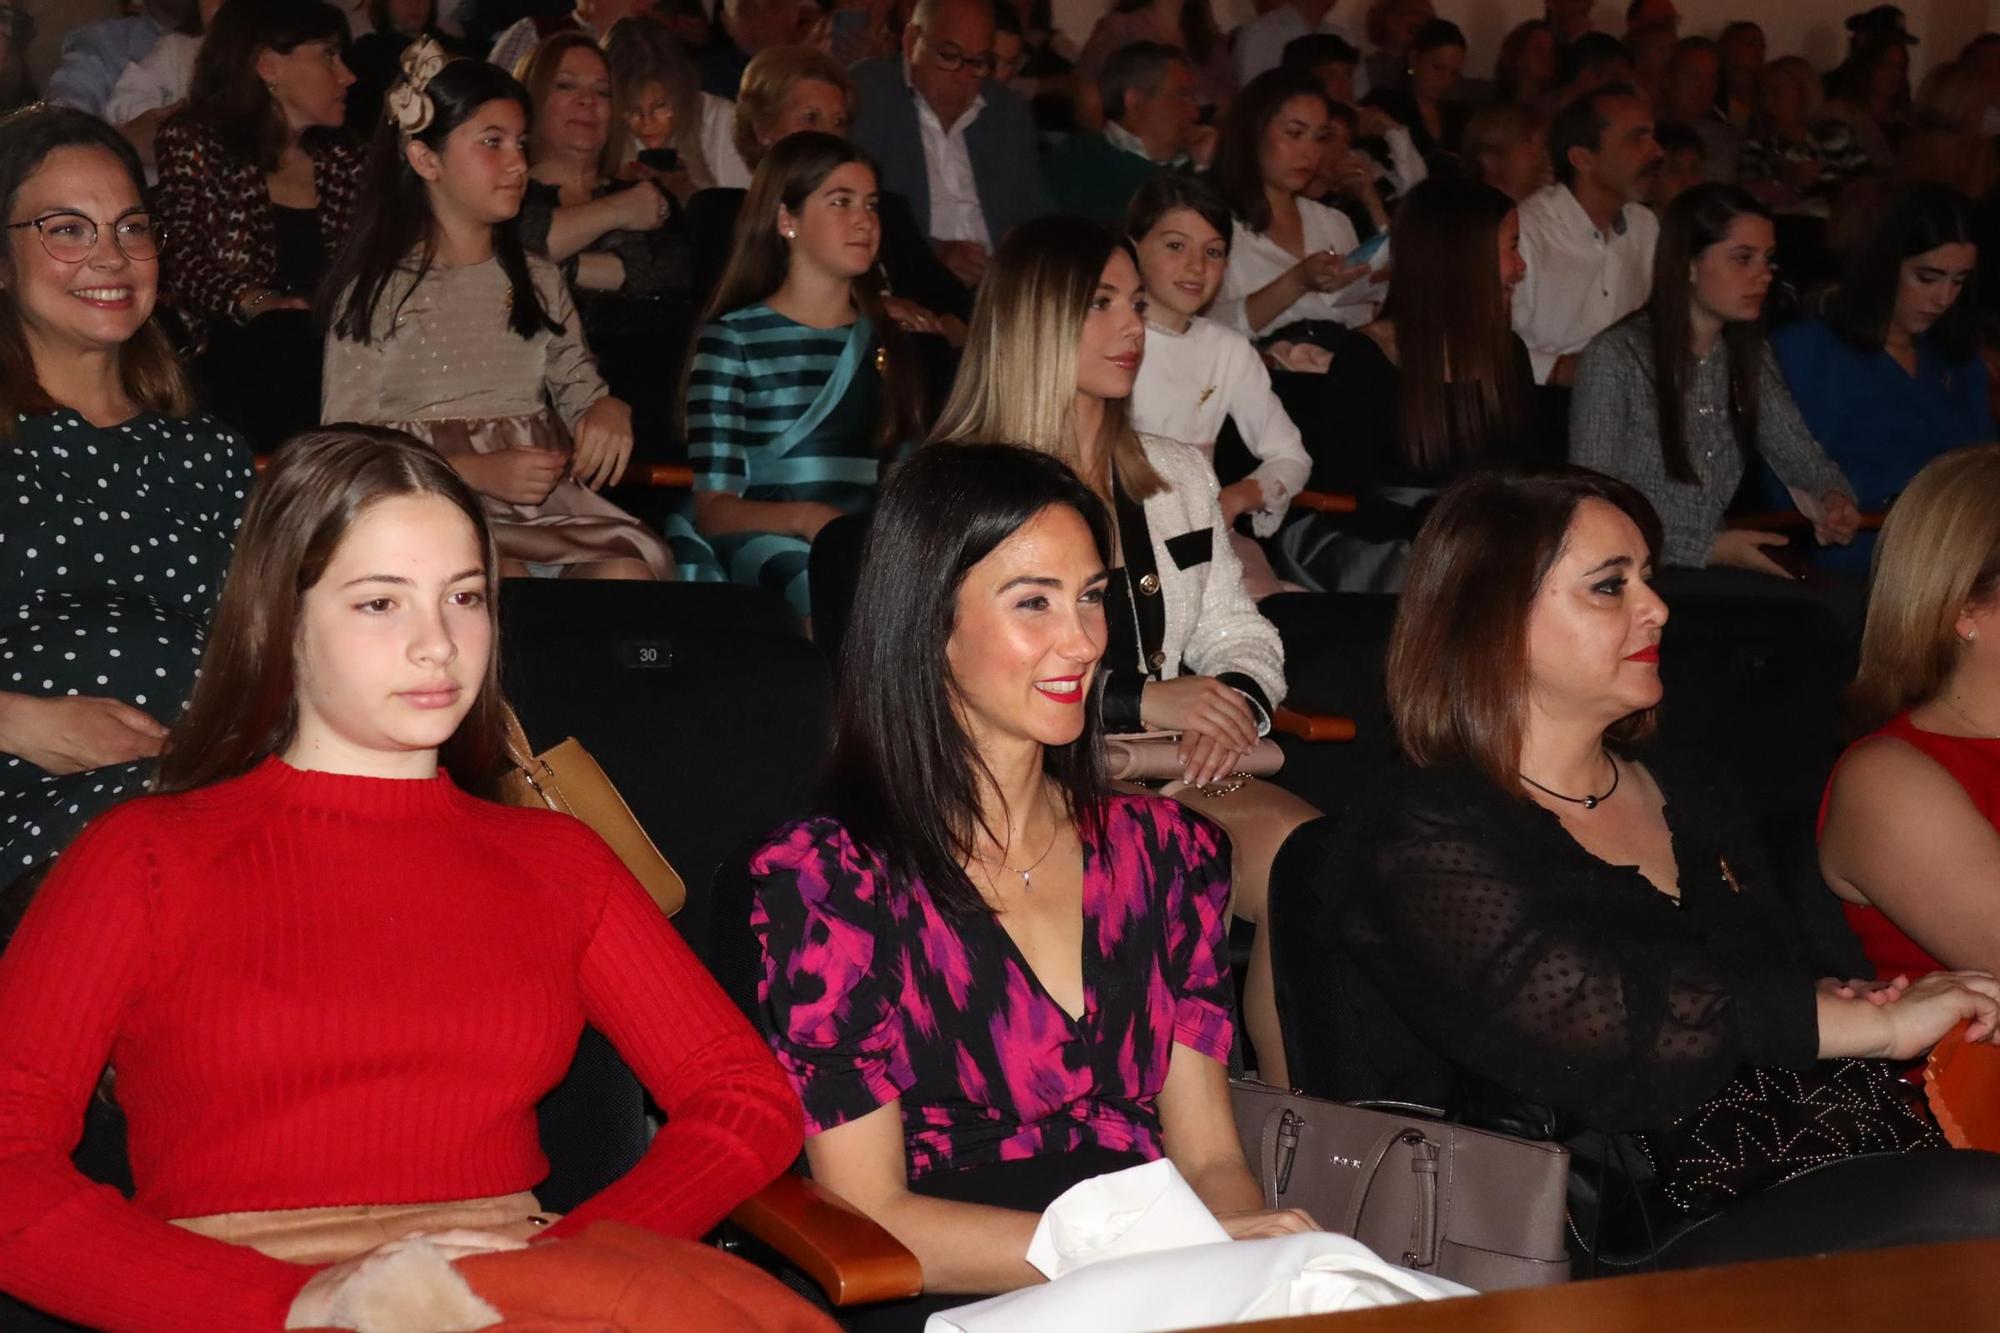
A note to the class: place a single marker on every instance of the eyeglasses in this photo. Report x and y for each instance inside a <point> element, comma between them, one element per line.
<point>950,59</point>
<point>69,238</point>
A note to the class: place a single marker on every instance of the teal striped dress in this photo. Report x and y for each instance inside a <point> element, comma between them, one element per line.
<point>782,412</point>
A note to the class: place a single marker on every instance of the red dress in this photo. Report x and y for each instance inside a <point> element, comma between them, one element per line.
<point>1975,765</point>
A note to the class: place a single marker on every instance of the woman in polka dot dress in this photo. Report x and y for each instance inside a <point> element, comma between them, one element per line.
<point>117,505</point>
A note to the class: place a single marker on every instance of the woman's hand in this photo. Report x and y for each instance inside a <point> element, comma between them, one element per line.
<point>809,516</point>
<point>1215,721</point>
<point>642,208</point>
<point>1838,520</point>
<point>513,476</point>
<point>911,316</point>
<point>1240,498</point>
<point>1326,272</point>
<point>603,444</point>
<point>319,1301</point>
<point>1743,548</point>
<point>75,733</point>
<point>1934,1005</point>
<point>1912,1019</point>
<point>1262,1222</point>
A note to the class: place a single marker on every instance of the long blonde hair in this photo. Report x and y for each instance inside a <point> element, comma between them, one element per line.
<point>1017,379</point>
<point>1939,553</point>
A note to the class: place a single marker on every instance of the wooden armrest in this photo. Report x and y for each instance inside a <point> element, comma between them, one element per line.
<point>667,476</point>
<point>854,1261</point>
<point>1791,520</point>
<point>1313,726</point>
<point>1324,502</point>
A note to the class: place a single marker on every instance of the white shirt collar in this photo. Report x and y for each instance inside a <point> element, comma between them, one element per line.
<point>1120,137</point>
<point>924,107</point>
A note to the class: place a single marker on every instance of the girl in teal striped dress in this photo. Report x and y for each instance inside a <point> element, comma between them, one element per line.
<point>793,394</point>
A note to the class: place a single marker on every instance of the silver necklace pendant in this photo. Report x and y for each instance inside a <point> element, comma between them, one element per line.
<point>1590,802</point>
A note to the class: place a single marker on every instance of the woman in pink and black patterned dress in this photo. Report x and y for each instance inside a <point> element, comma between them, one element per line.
<point>987,976</point>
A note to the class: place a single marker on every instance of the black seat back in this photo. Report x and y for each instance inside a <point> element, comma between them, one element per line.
<point>834,572</point>
<point>702,702</point>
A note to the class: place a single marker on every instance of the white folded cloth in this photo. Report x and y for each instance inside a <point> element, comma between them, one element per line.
<point>1136,1250</point>
<point>1135,1211</point>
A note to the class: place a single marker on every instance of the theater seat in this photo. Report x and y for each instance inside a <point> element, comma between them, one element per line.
<point>703,703</point>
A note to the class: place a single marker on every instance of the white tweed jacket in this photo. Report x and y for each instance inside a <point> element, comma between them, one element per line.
<point>1209,625</point>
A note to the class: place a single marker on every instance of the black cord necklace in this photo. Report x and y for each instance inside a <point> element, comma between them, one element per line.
<point>1587,801</point>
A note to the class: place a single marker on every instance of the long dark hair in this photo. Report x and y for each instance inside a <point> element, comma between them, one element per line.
<point>148,370</point>
<point>226,95</point>
<point>1198,28</point>
<point>1457,668</point>
<point>245,703</point>
<point>1699,218</point>
<point>1237,173</point>
<point>1920,219</point>
<point>905,777</point>
<point>1462,395</point>
<point>395,217</point>
<point>759,260</point>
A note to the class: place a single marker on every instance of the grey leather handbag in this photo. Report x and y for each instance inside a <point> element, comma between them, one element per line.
<point>1478,1208</point>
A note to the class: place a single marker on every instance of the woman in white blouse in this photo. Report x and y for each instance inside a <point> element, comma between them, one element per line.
<point>1197,373</point>
<point>1288,256</point>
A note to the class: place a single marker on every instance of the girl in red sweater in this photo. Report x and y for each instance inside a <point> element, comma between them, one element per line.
<point>327,974</point>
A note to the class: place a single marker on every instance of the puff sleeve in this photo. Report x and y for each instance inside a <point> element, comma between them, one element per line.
<point>827,997</point>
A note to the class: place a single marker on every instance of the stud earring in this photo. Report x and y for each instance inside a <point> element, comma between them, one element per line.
<point>791,233</point>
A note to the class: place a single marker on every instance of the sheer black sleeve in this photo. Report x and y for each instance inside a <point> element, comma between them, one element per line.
<point>1520,958</point>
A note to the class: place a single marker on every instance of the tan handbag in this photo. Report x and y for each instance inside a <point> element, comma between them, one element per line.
<point>1476,1207</point>
<point>1142,756</point>
<point>565,778</point>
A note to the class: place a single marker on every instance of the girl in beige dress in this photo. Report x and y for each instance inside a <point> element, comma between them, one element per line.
<point>442,326</point>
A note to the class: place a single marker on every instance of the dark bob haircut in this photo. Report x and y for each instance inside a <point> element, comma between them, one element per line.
<point>1172,190</point>
<point>1458,656</point>
<point>904,776</point>
<point>1918,220</point>
<point>227,96</point>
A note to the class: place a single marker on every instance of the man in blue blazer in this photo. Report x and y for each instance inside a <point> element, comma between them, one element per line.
<point>961,148</point>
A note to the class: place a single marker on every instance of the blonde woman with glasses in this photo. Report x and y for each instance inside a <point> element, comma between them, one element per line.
<point>1057,338</point>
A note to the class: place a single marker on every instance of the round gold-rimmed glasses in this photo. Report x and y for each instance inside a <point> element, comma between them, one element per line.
<point>69,237</point>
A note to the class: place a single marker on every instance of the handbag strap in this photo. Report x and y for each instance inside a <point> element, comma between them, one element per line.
<point>1423,1227</point>
<point>519,753</point>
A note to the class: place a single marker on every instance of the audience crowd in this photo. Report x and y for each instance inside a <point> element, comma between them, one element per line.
<point>1069,393</point>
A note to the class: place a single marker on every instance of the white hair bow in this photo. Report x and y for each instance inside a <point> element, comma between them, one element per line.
<point>409,102</point>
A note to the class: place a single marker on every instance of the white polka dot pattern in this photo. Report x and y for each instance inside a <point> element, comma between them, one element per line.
<point>112,554</point>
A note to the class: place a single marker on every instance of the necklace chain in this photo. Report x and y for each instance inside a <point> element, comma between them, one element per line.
<point>1587,801</point>
<point>1027,883</point>
<point>1967,719</point>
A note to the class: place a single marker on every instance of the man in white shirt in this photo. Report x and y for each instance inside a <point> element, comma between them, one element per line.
<point>1260,44</point>
<point>1588,238</point>
<point>961,148</point>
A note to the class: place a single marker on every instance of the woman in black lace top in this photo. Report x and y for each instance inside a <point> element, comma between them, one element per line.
<point>1591,940</point>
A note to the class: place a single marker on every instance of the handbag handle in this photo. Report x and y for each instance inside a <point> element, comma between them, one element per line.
<point>1277,1145</point>
<point>1423,1163</point>
<point>519,753</point>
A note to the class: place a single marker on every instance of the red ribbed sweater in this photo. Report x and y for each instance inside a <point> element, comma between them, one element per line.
<point>322,990</point>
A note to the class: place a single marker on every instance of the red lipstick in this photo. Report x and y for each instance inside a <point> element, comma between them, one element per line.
<point>1650,653</point>
<point>1071,696</point>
